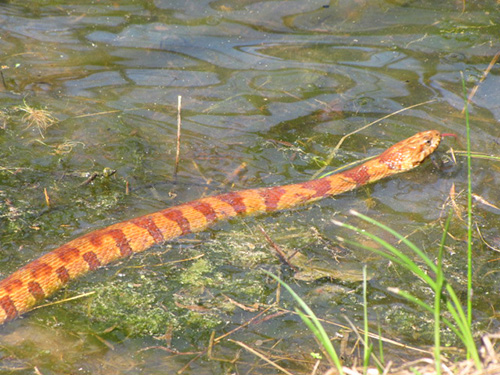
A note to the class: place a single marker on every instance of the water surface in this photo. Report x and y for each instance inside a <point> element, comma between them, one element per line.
<point>268,89</point>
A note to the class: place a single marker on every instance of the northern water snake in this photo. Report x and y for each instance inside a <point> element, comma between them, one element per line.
<point>30,284</point>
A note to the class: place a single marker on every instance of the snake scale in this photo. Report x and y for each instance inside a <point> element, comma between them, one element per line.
<point>30,284</point>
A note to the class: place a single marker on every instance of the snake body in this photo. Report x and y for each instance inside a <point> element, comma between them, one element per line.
<point>30,284</point>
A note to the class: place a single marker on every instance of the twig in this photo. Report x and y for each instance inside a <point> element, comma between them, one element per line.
<point>91,178</point>
<point>280,253</point>
<point>107,172</point>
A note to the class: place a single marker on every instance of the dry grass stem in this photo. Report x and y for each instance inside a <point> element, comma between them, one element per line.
<point>261,356</point>
<point>83,295</point>
<point>336,148</point>
<point>40,118</point>
<point>485,74</point>
<point>47,197</point>
<point>452,199</point>
<point>178,146</point>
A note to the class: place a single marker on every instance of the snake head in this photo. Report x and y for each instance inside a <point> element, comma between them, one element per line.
<point>411,152</point>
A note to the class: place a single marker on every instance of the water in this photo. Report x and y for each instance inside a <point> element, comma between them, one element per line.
<point>268,89</point>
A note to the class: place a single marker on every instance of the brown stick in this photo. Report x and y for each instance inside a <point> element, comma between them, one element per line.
<point>280,253</point>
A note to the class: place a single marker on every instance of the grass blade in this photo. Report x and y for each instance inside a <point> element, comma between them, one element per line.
<point>313,323</point>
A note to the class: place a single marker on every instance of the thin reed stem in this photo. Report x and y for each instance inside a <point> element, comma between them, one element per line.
<point>469,208</point>
<point>178,143</point>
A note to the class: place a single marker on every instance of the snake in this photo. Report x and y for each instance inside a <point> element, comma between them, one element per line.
<point>35,281</point>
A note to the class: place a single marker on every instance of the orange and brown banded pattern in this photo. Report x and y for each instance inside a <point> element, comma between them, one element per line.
<point>32,283</point>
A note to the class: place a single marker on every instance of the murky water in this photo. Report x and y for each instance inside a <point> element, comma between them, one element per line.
<point>268,89</point>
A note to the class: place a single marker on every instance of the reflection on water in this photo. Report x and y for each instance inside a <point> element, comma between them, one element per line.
<point>267,88</point>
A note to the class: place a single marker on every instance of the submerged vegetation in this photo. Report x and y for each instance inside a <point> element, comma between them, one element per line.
<point>195,294</point>
<point>273,91</point>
